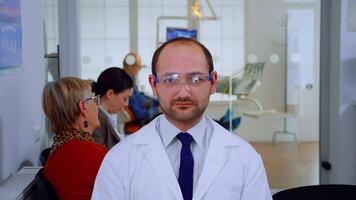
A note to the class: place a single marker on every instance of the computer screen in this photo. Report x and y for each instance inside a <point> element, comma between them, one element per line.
<point>181,32</point>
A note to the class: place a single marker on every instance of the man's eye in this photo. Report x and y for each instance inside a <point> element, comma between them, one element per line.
<point>197,79</point>
<point>170,80</point>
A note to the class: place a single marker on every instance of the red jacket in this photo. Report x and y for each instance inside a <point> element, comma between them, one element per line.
<point>73,167</point>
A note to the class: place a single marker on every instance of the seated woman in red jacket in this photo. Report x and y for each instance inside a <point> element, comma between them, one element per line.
<point>74,160</point>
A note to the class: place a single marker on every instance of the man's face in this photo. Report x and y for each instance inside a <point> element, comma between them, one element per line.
<point>183,102</point>
<point>133,70</point>
<point>138,65</point>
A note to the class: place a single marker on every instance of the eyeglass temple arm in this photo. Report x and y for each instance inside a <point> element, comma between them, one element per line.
<point>155,78</point>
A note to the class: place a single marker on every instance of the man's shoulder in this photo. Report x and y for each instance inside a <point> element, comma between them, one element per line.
<point>124,144</point>
<point>131,149</point>
<point>140,137</point>
<point>231,139</point>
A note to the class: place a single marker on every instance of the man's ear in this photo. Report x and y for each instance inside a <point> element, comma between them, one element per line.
<point>151,80</point>
<point>214,82</point>
<point>82,108</point>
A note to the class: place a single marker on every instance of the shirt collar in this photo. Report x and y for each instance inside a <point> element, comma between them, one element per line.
<point>168,131</point>
<point>111,117</point>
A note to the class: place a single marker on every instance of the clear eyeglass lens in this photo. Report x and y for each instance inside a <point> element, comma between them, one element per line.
<point>197,78</point>
<point>173,81</point>
<point>96,99</point>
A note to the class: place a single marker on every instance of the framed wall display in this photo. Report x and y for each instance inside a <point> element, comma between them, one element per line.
<point>180,32</point>
<point>10,35</point>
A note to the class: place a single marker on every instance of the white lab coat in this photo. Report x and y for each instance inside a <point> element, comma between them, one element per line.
<point>138,168</point>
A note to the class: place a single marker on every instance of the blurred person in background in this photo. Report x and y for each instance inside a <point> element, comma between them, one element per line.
<point>144,108</point>
<point>115,87</point>
<point>75,158</point>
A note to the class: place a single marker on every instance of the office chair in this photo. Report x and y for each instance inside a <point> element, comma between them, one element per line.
<point>318,192</point>
<point>44,156</point>
<point>44,190</point>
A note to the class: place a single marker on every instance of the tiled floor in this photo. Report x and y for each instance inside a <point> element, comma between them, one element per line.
<point>290,165</point>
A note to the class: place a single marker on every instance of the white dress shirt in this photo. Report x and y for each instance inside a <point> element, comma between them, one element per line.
<point>201,134</point>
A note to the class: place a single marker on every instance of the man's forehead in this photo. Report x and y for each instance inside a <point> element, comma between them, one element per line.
<point>188,44</point>
<point>176,49</point>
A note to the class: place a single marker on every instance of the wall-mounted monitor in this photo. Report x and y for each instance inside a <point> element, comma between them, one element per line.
<point>180,32</point>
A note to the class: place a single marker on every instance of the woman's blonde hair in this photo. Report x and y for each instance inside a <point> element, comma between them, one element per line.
<point>60,101</point>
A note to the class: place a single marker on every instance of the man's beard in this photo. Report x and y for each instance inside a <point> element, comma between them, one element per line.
<point>182,115</point>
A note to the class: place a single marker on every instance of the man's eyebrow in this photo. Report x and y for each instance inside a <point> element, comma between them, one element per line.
<point>170,73</point>
<point>175,73</point>
<point>193,73</point>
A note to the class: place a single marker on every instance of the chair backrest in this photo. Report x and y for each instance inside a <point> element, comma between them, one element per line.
<point>316,192</point>
<point>250,79</point>
<point>44,155</point>
<point>125,115</point>
<point>126,121</point>
<point>243,83</point>
<point>44,190</point>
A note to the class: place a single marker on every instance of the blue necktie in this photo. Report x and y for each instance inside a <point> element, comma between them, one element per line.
<point>185,177</point>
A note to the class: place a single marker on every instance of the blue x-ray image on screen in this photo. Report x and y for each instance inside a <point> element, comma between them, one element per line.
<point>10,11</point>
<point>10,45</point>
<point>10,34</point>
<point>181,32</point>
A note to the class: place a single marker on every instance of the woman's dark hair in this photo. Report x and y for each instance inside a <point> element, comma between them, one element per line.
<point>112,78</point>
<point>182,40</point>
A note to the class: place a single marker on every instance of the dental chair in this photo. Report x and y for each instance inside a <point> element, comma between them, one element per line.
<point>243,83</point>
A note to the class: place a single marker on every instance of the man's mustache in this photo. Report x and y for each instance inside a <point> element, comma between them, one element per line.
<point>183,100</point>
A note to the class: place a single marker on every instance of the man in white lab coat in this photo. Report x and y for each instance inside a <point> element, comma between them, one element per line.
<point>182,154</point>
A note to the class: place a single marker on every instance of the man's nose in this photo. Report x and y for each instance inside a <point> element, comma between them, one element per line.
<point>183,89</point>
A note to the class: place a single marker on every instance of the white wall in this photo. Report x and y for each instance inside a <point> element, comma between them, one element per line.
<point>265,24</point>
<point>263,37</point>
<point>20,97</point>
<point>261,31</point>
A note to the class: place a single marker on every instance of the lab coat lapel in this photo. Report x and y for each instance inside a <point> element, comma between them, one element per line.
<point>214,162</point>
<point>158,158</point>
